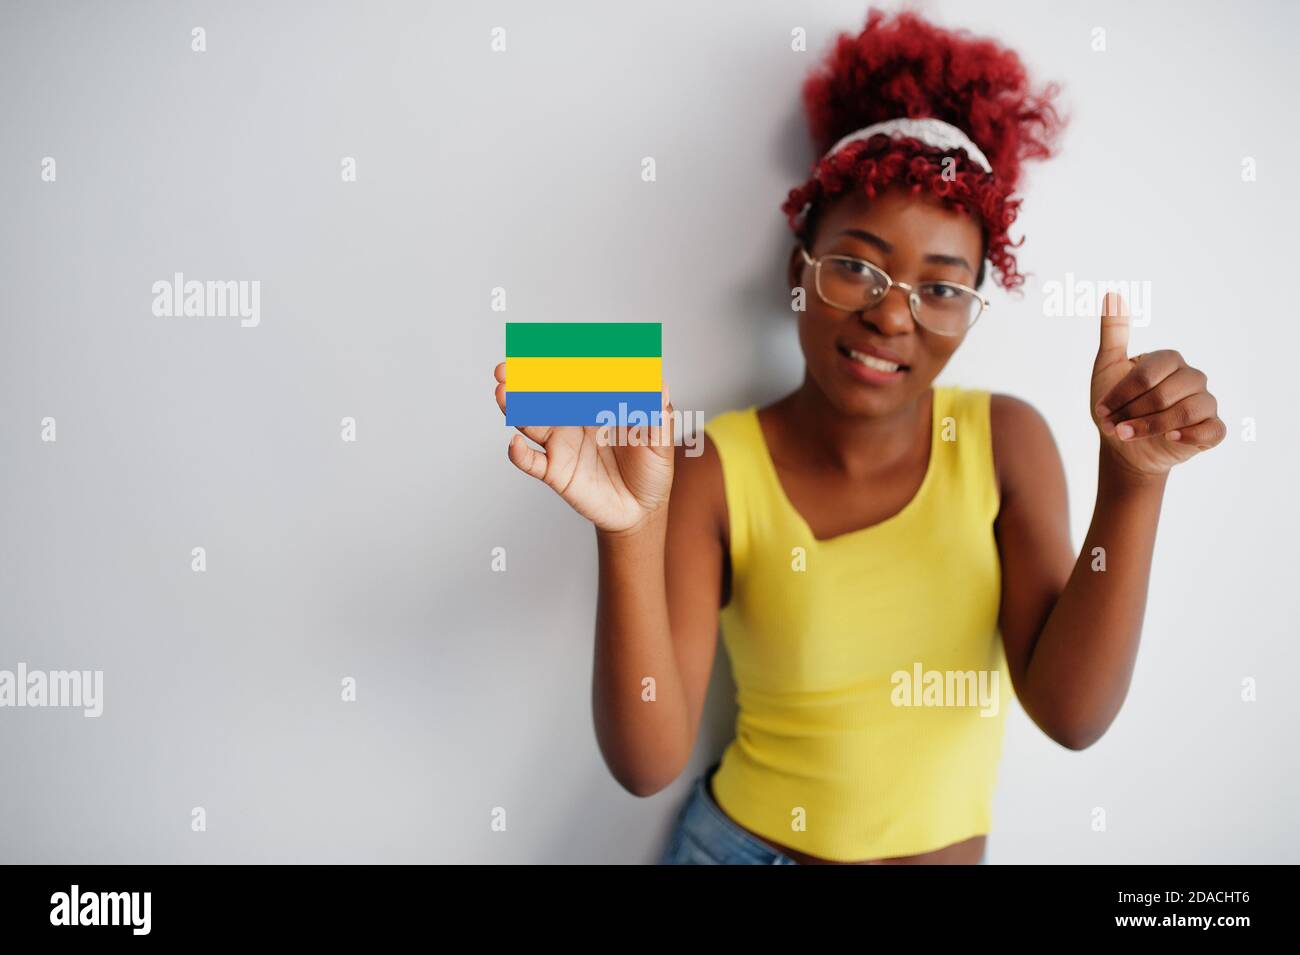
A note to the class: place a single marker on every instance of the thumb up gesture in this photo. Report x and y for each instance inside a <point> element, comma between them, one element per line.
<point>1153,410</point>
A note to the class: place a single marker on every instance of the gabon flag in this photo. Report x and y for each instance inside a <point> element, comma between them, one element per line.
<point>569,373</point>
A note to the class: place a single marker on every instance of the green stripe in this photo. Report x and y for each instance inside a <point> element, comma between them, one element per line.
<point>584,339</point>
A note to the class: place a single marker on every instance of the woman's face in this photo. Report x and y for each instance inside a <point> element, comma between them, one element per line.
<point>914,239</point>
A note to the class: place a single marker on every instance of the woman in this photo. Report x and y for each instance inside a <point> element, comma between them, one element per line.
<point>887,555</point>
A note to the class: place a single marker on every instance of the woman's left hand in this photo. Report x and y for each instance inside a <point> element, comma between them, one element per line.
<point>1153,411</point>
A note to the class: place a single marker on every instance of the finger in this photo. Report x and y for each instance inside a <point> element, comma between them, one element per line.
<point>1146,373</point>
<point>1183,383</point>
<point>536,433</point>
<point>661,435</point>
<point>1183,414</point>
<point>1114,332</point>
<point>529,460</point>
<point>499,372</point>
<point>1204,434</point>
<point>532,432</point>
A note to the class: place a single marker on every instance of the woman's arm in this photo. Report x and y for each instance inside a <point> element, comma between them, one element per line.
<point>1071,626</point>
<point>657,619</point>
<point>660,520</point>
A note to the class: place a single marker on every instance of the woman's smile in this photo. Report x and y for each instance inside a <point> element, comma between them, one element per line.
<point>871,365</point>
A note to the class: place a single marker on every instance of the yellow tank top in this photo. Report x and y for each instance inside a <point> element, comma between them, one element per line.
<point>871,680</point>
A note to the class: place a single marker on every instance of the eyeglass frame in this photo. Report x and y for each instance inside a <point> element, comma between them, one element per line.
<point>912,303</point>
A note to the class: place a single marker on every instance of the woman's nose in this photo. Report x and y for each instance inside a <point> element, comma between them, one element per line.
<point>893,316</point>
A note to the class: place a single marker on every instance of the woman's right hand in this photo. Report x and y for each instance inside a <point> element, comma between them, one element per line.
<point>616,487</point>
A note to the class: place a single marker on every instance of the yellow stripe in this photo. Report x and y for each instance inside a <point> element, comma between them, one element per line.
<point>584,374</point>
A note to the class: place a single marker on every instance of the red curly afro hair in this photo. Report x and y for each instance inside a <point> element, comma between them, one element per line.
<point>904,66</point>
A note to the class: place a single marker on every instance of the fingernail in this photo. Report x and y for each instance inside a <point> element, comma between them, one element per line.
<point>1107,426</point>
<point>1174,435</point>
<point>1125,430</point>
<point>1102,411</point>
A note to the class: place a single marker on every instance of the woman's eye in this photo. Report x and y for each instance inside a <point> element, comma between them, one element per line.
<point>940,291</point>
<point>853,267</point>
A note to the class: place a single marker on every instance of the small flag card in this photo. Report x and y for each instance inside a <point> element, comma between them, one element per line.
<point>570,373</point>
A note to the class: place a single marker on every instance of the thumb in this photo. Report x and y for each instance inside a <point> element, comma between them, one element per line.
<point>1114,331</point>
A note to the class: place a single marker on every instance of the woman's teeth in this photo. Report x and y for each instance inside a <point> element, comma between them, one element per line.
<point>871,361</point>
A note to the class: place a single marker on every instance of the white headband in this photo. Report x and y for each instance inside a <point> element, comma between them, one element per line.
<point>932,132</point>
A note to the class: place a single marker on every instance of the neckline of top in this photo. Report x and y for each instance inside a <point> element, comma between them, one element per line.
<point>769,465</point>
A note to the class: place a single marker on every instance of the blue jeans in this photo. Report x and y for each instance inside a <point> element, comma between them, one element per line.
<point>705,835</point>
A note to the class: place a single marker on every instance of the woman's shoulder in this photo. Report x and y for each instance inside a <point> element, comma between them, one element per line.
<point>699,481</point>
<point>729,462</point>
<point>1022,440</point>
<point>1009,415</point>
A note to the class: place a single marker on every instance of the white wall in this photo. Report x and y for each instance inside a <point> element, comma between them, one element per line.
<point>522,170</point>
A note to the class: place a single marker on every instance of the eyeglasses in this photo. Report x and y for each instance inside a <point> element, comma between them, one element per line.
<point>855,285</point>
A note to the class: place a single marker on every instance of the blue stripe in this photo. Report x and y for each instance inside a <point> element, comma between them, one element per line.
<point>557,408</point>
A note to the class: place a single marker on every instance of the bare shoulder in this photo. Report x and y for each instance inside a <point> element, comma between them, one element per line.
<point>1011,412</point>
<point>1023,445</point>
<point>698,491</point>
<point>699,539</point>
